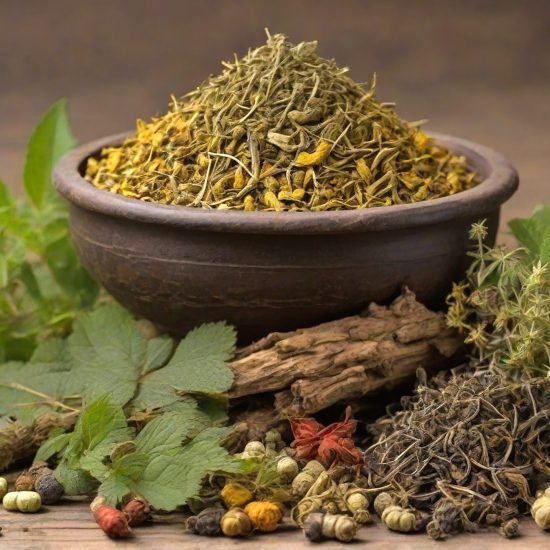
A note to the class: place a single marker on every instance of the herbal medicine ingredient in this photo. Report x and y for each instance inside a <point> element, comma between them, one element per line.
<point>22,501</point>
<point>280,129</point>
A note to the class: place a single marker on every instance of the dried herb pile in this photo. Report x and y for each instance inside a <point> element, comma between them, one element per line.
<point>280,129</point>
<point>468,448</point>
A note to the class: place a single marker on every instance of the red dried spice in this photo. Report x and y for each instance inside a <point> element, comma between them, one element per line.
<point>137,511</point>
<point>333,445</point>
<point>112,521</point>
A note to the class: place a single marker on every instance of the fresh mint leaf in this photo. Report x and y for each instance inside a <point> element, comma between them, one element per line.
<point>199,365</point>
<point>49,141</point>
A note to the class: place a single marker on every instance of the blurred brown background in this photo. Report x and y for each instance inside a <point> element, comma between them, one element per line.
<point>477,69</point>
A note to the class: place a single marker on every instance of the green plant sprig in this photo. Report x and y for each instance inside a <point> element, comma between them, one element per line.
<point>42,284</point>
<point>503,308</point>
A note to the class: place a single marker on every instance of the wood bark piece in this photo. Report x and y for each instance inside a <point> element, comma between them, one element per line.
<point>311,369</point>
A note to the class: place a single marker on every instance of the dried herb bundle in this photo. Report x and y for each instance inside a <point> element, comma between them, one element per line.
<point>504,308</point>
<point>280,129</point>
<point>468,448</point>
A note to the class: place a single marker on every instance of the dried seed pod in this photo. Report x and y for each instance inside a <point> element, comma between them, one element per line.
<point>255,448</point>
<point>491,519</point>
<point>49,489</point>
<point>112,522</point>
<point>510,528</point>
<point>328,526</point>
<point>273,437</point>
<point>302,483</point>
<point>265,515</point>
<point>540,510</point>
<point>3,487</point>
<point>22,501</point>
<point>362,517</point>
<point>400,519</point>
<point>207,522</point>
<point>330,507</point>
<point>96,503</point>
<point>236,523</point>
<point>382,501</point>
<point>287,468</point>
<point>235,495</point>
<point>434,531</point>
<point>24,482</point>
<point>137,511</point>
<point>314,467</point>
<point>38,468</point>
<point>356,500</point>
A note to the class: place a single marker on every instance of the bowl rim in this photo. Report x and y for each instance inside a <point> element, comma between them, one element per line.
<point>500,181</point>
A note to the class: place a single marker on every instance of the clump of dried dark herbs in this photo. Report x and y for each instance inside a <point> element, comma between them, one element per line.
<point>469,448</point>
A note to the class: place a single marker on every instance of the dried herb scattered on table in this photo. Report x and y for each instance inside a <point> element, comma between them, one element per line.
<point>468,447</point>
<point>280,129</point>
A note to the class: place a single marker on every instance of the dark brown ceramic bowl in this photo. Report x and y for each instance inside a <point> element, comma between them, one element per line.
<point>275,271</point>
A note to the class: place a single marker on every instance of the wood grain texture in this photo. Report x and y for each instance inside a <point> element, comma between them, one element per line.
<point>314,368</point>
<point>70,526</point>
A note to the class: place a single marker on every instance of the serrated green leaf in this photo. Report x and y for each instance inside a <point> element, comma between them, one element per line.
<point>49,141</point>
<point>533,232</point>
<point>163,434</point>
<point>131,465</point>
<point>168,481</point>
<point>197,366</point>
<point>100,425</point>
<point>108,352</point>
<point>52,446</point>
<point>114,489</point>
<point>158,352</point>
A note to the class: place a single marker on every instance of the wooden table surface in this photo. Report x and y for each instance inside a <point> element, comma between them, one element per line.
<point>70,525</point>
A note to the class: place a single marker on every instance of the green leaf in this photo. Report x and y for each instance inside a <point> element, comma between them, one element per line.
<point>6,198</point>
<point>49,141</point>
<point>534,232</point>
<point>131,465</point>
<point>158,352</point>
<point>53,446</point>
<point>168,481</point>
<point>108,352</point>
<point>197,366</point>
<point>545,250</point>
<point>163,434</point>
<point>100,425</point>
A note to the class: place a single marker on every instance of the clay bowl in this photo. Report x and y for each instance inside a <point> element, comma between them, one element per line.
<point>275,271</point>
